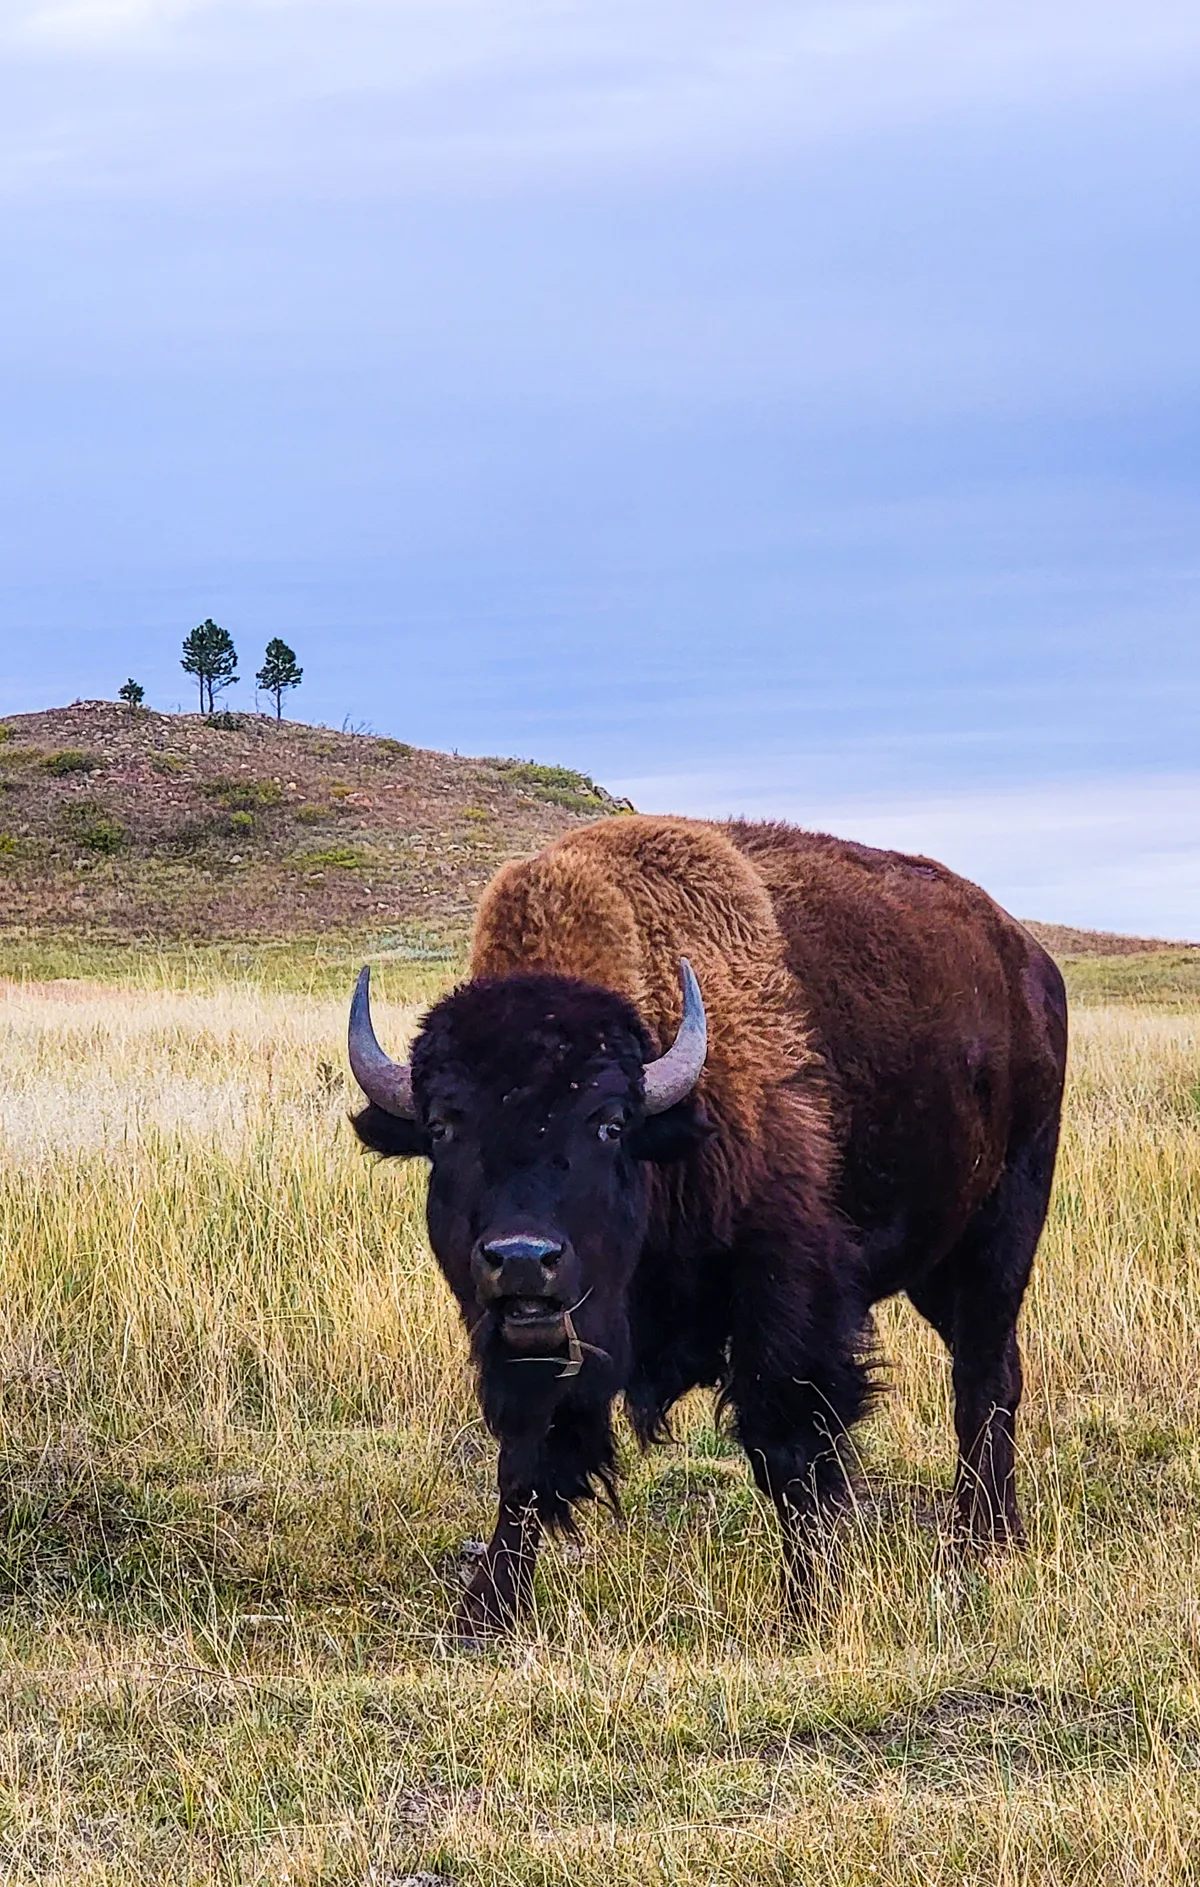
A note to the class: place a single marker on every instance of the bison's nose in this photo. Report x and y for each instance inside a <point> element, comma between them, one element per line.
<point>520,1264</point>
<point>523,1245</point>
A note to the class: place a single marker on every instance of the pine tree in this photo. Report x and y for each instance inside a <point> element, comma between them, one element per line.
<point>279,672</point>
<point>132,694</point>
<point>209,655</point>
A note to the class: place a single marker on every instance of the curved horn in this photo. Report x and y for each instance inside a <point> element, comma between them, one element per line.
<point>385,1082</point>
<point>676,1073</point>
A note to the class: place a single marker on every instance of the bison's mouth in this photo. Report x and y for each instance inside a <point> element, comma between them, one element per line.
<point>529,1323</point>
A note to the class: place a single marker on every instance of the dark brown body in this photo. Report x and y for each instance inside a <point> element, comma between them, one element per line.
<point>881,1099</point>
<point>940,1023</point>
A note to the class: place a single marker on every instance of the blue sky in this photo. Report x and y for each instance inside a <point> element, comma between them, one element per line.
<point>779,408</point>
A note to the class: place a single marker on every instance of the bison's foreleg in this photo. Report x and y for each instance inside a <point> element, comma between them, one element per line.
<point>798,1380</point>
<point>540,1477</point>
<point>807,1474</point>
<point>502,1585</point>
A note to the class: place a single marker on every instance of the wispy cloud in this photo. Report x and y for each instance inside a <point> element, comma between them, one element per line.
<point>86,20</point>
<point>488,90</point>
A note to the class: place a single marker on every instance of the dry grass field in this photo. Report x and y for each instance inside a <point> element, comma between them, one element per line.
<point>241,1459</point>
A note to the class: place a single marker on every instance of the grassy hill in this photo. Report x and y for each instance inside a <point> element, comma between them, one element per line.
<point>181,848</point>
<point>1103,967</point>
<point>175,826</point>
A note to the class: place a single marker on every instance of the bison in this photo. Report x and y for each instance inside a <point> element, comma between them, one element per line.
<point>710,1093</point>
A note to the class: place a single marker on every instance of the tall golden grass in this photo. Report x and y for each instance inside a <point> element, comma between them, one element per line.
<point>241,1458</point>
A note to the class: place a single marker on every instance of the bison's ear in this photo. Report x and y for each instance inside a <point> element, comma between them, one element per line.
<point>669,1136</point>
<point>387,1133</point>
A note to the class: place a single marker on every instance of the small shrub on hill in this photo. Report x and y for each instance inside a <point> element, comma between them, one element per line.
<point>227,723</point>
<point>559,786</point>
<point>167,763</point>
<point>70,760</point>
<point>312,815</point>
<point>244,795</point>
<point>6,733</point>
<point>478,815</point>
<point>90,825</point>
<point>102,834</point>
<point>384,748</point>
<point>241,822</point>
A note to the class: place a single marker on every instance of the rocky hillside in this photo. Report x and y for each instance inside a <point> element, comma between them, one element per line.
<point>231,826</point>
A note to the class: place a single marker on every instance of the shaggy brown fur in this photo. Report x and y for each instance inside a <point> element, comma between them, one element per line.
<point>618,904</point>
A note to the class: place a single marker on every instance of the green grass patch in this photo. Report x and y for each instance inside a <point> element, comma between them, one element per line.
<point>1163,979</point>
<point>331,858</point>
<point>414,966</point>
<point>558,786</point>
<point>69,760</point>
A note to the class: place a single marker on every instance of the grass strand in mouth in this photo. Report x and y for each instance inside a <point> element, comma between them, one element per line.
<point>576,1350</point>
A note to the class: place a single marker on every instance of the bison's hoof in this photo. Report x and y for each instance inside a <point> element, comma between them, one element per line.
<point>478,1625</point>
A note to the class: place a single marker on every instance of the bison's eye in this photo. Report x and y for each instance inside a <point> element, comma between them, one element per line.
<point>439,1131</point>
<point>609,1130</point>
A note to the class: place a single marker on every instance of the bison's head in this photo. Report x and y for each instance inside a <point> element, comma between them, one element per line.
<point>539,1103</point>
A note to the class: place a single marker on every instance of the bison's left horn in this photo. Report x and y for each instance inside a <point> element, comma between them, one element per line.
<point>676,1073</point>
<point>385,1082</point>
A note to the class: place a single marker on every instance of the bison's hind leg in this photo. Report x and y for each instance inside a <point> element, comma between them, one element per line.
<point>973,1300</point>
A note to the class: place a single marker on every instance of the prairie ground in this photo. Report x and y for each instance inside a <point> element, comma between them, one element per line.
<point>241,1469</point>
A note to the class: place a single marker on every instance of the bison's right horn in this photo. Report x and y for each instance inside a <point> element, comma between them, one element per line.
<point>676,1073</point>
<point>385,1082</point>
